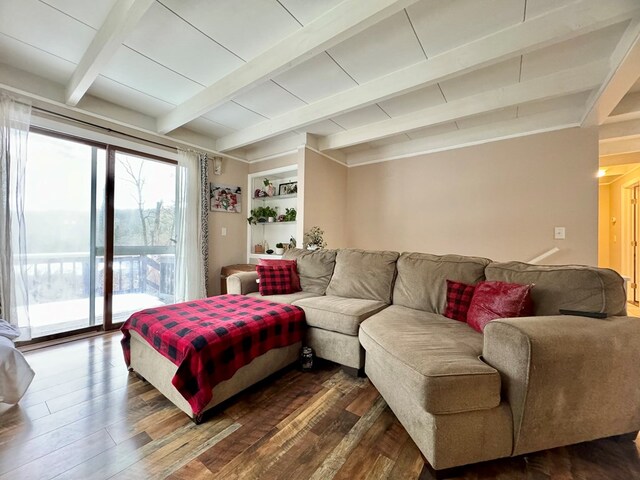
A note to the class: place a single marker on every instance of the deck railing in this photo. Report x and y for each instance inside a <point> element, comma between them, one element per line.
<point>66,276</point>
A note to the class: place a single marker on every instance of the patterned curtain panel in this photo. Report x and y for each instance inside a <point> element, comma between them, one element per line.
<point>15,118</point>
<point>204,217</point>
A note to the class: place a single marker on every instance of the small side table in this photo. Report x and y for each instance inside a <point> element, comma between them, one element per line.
<point>230,270</point>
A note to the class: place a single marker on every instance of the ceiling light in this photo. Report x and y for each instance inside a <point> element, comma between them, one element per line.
<point>602,172</point>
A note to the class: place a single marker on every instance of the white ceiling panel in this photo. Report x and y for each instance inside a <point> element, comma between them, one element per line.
<point>93,12</point>
<point>234,116</point>
<point>431,131</point>
<point>34,60</point>
<point>136,71</point>
<point>410,102</point>
<point>485,79</point>
<point>538,7</point>
<point>171,41</point>
<point>442,25</point>
<point>314,79</point>
<point>112,91</point>
<point>307,10</point>
<point>46,28</point>
<point>269,99</point>
<point>362,116</point>
<point>246,28</point>
<point>326,127</point>
<point>207,127</point>
<point>486,118</point>
<point>577,101</point>
<point>384,48</point>
<point>579,51</point>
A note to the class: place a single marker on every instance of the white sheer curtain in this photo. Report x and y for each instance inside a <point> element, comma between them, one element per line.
<point>190,257</point>
<point>15,118</point>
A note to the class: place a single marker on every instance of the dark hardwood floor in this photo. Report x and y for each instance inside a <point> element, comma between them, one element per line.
<point>86,417</point>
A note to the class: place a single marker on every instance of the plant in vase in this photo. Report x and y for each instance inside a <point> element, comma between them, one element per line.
<point>269,188</point>
<point>279,248</point>
<point>313,239</point>
<point>262,215</point>
<point>290,215</point>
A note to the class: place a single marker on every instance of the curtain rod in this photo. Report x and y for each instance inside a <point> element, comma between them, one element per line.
<point>110,130</point>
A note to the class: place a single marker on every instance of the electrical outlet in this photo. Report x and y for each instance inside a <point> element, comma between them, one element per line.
<point>559,233</point>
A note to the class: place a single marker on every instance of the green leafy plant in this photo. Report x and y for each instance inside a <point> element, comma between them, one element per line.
<point>290,215</point>
<point>266,182</point>
<point>314,238</point>
<point>279,245</point>
<point>260,214</point>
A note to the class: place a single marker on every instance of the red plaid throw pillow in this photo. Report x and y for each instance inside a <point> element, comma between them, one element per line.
<point>274,280</point>
<point>293,265</point>
<point>459,297</point>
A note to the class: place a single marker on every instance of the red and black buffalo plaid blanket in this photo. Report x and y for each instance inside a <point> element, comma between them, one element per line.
<point>210,339</point>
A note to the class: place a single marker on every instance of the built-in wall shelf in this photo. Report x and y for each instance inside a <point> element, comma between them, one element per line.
<point>277,197</point>
<point>281,179</point>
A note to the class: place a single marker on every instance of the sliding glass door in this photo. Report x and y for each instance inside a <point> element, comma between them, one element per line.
<point>144,234</point>
<point>100,233</point>
<point>60,206</point>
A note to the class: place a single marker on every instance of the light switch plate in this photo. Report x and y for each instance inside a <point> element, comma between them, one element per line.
<point>559,233</point>
<point>224,231</point>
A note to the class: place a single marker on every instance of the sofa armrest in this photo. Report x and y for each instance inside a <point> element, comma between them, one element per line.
<point>567,379</point>
<point>242,283</point>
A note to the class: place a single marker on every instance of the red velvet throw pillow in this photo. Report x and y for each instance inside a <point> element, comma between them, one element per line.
<point>459,297</point>
<point>293,265</point>
<point>274,280</point>
<point>493,300</point>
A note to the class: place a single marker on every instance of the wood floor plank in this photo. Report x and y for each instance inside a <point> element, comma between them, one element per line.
<point>63,459</point>
<point>296,425</point>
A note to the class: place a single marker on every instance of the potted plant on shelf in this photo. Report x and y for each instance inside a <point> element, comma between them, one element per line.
<point>262,215</point>
<point>313,239</point>
<point>269,188</point>
<point>290,215</point>
<point>279,248</point>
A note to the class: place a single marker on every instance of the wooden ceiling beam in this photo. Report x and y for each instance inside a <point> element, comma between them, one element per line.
<point>625,70</point>
<point>328,30</point>
<point>567,22</point>
<point>122,18</point>
<point>565,82</point>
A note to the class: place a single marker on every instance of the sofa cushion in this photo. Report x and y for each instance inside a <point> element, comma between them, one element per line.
<point>293,267</point>
<point>436,359</point>
<point>422,278</point>
<point>338,314</point>
<point>314,267</point>
<point>289,298</point>
<point>364,274</point>
<point>571,287</point>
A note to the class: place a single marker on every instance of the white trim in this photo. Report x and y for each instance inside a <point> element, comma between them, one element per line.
<point>275,155</point>
<point>324,154</point>
<point>510,129</point>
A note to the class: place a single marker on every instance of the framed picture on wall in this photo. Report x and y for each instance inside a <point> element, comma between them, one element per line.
<point>225,198</point>
<point>288,188</point>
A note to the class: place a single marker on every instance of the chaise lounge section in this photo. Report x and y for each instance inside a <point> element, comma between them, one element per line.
<point>525,384</point>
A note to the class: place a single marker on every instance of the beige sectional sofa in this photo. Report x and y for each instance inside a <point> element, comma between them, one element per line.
<point>524,385</point>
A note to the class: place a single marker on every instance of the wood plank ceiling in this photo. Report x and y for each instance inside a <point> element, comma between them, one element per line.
<point>368,79</point>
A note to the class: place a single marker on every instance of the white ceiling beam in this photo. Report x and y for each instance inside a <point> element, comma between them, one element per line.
<point>620,159</point>
<point>620,147</point>
<point>559,84</point>
<point>529,125</point>
<point>121,20</point>
<point>627,109</point>
<point>328,30</point>
<point>612,132</point>
<point>625,70</point>
<point>564,23</point>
